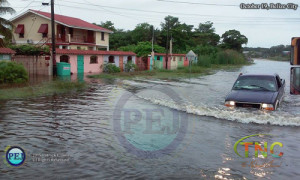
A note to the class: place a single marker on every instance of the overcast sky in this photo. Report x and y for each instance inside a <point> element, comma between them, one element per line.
<point>263,28</point>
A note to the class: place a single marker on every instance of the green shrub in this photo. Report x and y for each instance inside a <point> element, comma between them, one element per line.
<point>205,61</point>
<point>11,72</point>
<point>130,67</point>
<point>27,49</point>
<point>193,69</point>
<point>206,50</point>
<point>163,70</point>
<point>180,68</point>
<point>111,68</point>
<point>222,57</point>
<point>229,57</point>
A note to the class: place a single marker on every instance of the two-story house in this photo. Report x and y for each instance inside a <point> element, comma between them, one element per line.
<point>34,27</point>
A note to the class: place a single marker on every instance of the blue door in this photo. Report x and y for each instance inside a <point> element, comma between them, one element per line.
<point>80,64</point>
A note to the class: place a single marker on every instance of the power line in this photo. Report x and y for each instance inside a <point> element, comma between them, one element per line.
<point>224,21</point>
<point>166,12</point>
<point>26,6</point>
<point>33,21</point>
<point>215,21</point>
<point>193,3</point>
<point>108,10</point>
<point>151,19</point>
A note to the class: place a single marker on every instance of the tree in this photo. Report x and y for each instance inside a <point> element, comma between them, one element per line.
<point>206,27</point>
<point>120,38</point>
<point>143,48</point>
<point>233,39</point>
<point>181,34</point>
<point>108,25</point>
<point>142,32</point>
<point>205,35</point>
<point>167,28</point>
<point>5,25</point>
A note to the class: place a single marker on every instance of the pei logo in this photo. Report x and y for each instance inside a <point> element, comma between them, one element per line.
<point>15,156</point>
<point>150,130</point>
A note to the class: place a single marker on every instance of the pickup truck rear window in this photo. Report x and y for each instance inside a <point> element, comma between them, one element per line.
<point>256,83</point>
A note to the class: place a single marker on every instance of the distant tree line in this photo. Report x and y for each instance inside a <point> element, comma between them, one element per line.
<point>279,52</point>
<point>202,39</point>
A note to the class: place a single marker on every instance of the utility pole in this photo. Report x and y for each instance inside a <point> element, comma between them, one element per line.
<point>168,27</point>
<point>53,38</point>
<point>152,53</point>
<point>152,37</point>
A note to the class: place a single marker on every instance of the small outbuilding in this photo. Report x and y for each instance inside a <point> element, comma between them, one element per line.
<point>159,61</point>
<point>192,57</point>
<point>6,54</point>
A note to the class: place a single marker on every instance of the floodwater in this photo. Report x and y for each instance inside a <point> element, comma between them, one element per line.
<point>152,129</point>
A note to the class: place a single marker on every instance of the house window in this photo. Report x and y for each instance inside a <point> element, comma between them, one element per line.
<point>111,59</point>
<point>129,59</point>
<point>78,47</point>
<point>94,60</point>
<point>20,30</point>
<point>5,57</point>
<point>64,58</point>
<point>158,58</point>
<point>102,36</point>
<point>44,30</point>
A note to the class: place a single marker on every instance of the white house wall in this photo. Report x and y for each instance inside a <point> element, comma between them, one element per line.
<point>116,60</point>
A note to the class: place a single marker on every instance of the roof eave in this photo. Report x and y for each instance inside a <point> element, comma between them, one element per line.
<point>23,14</point>
<point>86,28</point>
<point>20,15</point>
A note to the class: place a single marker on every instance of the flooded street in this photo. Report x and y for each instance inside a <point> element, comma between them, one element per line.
<point>154,129</point>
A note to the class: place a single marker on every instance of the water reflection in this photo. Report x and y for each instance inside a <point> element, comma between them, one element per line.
<point>81,126</point>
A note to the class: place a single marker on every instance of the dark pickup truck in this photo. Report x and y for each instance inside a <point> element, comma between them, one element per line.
<point>256,91</point>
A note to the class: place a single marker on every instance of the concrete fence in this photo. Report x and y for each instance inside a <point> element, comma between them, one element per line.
<point>37,65</point>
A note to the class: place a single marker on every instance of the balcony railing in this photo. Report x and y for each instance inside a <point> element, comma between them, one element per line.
<point>75,39</point>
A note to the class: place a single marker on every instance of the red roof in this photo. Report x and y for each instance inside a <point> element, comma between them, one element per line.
<point>6,51</point>
<point>93,52</point>
<point>164,54</point>
<point>73,22</point>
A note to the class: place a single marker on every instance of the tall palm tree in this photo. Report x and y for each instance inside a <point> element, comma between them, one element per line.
<point>5,25</point>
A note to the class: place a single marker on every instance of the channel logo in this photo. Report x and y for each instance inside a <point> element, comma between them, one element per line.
<point>149,131</point>
<point>14,156</point>
<point>263,149</point>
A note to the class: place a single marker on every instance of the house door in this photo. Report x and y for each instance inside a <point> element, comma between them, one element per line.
<point>90,38</point>
<point>80,64</point>
<point>63,33</point>
<point>145,63</point>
